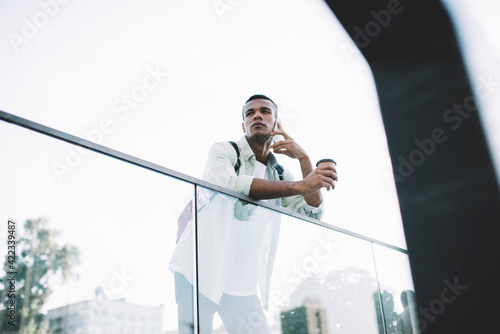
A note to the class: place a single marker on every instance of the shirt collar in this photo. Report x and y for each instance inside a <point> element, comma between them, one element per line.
<point>247,152</point>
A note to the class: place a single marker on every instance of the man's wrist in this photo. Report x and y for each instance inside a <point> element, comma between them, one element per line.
<point>304,159</point>
<point>306,166</point>
<point>298,187</point>
<point>305,162</point>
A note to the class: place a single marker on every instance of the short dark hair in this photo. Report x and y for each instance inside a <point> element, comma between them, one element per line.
<point>259,97</point>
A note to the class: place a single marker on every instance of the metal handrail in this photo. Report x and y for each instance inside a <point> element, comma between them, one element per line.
<point>66,137</point>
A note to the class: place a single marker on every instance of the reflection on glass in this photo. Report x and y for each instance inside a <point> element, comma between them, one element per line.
<point>396,285</point>
<point>236,246</point>
<point>97,243</point>
<point>257,274</point>
<point>324,282</point>
<point>407,320</point>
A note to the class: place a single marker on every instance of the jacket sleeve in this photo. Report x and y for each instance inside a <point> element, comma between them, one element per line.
<point>298,203</point>
<point>220,169</point>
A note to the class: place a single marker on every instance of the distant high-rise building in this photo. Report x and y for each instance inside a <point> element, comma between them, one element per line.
<point>307,319</point>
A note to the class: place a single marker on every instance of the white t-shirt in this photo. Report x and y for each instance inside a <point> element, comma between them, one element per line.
<point>242,279</point>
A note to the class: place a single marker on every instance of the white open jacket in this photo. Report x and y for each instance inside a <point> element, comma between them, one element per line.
<point>221,219</point>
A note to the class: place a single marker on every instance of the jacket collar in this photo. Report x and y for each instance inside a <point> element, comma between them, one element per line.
<point>246,150</point>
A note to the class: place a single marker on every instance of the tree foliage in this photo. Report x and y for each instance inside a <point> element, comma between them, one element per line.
<point>39,259</point>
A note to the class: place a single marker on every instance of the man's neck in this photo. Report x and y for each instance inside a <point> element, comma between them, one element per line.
<point>260,148</point>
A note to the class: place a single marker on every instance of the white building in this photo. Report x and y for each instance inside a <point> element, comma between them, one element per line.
<point>102,315</point>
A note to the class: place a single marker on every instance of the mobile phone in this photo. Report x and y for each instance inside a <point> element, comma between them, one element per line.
<point>277,138</point>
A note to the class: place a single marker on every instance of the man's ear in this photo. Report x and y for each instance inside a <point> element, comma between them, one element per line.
<point>243,127</point>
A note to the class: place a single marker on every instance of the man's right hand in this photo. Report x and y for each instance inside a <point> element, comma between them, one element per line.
<point>321,177</point>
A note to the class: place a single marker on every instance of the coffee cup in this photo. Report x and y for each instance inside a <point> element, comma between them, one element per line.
<point>326,162</point>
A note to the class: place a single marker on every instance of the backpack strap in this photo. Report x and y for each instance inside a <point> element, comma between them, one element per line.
<point>186,214</point>
<point>272,159</point>
<point>280,171</point>
<point>238,162</point>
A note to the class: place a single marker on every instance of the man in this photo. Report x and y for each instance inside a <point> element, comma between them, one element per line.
<point>237,242</point>
<point>407,320</point>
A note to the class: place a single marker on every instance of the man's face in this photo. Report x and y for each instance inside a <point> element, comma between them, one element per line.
<point>259,118</point>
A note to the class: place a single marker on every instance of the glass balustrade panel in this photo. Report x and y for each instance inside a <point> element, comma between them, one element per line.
<point>398,293</point>
<point>261,271</point>
<point>94,238</point>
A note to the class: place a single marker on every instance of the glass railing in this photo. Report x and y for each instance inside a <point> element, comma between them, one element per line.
<point>109,243</point>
